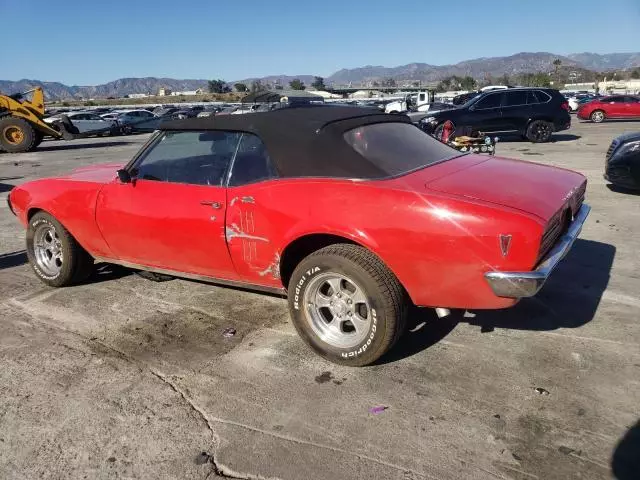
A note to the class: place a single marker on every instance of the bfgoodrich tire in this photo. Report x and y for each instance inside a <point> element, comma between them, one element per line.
<point>539,131</point>
<point>55,256</point>
<point>347,305</point>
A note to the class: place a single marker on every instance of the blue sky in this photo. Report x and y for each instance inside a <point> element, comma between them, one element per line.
<point>89,42</point>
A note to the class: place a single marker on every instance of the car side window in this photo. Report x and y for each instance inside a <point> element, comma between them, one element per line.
<point>252,162</point>
<point>515,98</point>
<point>630,100</point>
<point>193,157</point>
<point>616,99</point>
<point>490,101</point>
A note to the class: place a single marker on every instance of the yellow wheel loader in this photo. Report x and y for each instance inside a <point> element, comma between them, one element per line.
<point>21,125</point>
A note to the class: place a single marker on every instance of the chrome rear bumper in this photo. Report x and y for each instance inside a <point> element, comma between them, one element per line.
<point>527,284</point>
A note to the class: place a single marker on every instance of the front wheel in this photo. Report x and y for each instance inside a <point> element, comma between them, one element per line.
<point>539,131</point>
<point>597,116</point>
<point>17,135</point>
<point>55,256</point>
<point>347,305</point>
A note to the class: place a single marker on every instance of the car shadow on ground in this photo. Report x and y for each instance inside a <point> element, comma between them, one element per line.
<point>13,259</point>
<point>106,272</point>
<point>516,138</point>
<point>76,146</point>
<point>625,462</point>
<point>569,299</point>
<point>5,187</point>
<point>625,191</point>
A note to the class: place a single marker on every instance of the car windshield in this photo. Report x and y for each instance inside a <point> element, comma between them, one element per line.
<point>398,148</point>
<point>471,101</point>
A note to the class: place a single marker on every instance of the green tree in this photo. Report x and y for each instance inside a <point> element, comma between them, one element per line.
<point>257,86</point>
<point>505,80</point>
<point>218,86</point>
<point>318,83</point>
<point>297,84</point>
<point>467,83</point>
<point>636,73</point>
<point>388,82</point>
<point>240,87</point>
<point>556,63</point>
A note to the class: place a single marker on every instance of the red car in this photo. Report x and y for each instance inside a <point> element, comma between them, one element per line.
<point>616,106</point>
<point>354,214</point>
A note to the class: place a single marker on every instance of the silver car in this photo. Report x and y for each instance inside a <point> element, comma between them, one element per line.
<point>87,122</point>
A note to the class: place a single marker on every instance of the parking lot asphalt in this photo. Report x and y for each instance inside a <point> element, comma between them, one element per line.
<point>123,377</point>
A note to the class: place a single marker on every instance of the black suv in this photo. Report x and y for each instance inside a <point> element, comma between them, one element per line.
<point>534,113</point>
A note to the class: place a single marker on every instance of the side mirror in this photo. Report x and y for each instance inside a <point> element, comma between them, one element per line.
<point>124,176</point>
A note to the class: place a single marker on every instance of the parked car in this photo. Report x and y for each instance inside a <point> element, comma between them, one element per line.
<point>464,98</point>
<point>612,107</point>
<point>534,113</point>
<point>165,112</point>
<point>209,110</point>
<point>87,122</point>
<point>431,108</point>
<point>622,167</point>
<point>355,214</point>
<point>131,117</point>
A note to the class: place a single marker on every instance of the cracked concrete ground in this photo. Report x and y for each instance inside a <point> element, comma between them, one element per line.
<point>123,377</point>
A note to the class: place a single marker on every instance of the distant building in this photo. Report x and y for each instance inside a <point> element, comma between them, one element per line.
<point>137,95</point>
<point>619,86</point>
<point>188,93</point>
<point>163,92</point>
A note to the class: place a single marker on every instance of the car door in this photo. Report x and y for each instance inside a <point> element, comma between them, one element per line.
<point>172,214</point>
<point>486,114</point>
<point>252,222</point>
<point>632,106</point>
<point>515,109</point>
<point>615,107</point>
<point>94,122</point>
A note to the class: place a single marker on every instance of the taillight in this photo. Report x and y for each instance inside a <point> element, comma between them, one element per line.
<point>565,105</point>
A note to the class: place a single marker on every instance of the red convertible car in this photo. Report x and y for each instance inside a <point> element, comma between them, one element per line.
<point>354,214</point>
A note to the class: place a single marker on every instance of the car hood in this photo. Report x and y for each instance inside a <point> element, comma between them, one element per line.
<point>536,189</point>
<point>628,137</point>
<point>103,173</point>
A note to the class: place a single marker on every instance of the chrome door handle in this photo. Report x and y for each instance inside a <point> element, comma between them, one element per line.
<point>211,203</point>
<point>247,200</point>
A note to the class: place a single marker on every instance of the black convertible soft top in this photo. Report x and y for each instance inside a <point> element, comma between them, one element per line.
<point>303,141</point>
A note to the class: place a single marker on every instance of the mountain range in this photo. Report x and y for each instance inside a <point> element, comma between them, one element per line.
<point>478,68</point>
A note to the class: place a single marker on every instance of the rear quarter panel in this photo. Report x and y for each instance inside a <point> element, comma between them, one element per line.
<point>71,202</point>
<point>438,246</point>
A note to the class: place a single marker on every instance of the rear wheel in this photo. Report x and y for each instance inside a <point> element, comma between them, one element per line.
<point>539,131</point>
<point>55,256</point>
<point>17,135</point>
<point>597,116</point>
<point>347,305</point>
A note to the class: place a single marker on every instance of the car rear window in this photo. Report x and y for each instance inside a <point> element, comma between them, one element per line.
<point>398,148</point>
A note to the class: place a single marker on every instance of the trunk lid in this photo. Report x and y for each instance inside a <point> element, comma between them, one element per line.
<point>537,189</point>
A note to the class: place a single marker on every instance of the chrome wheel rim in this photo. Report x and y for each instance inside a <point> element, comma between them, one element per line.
<point>338,310</point>
<point>47,249</point>
<point>598,116</point>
